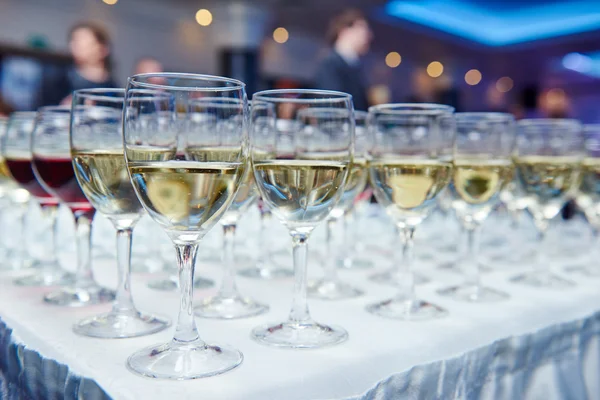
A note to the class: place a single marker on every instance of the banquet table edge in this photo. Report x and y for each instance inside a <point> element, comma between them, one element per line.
<point>25,373</point>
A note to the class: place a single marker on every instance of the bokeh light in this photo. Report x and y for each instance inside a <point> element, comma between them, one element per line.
<point>393,59</point>
<point>204,17</point>
<point>435,69</point>
<point>281,35</point>
<point>473,77</point>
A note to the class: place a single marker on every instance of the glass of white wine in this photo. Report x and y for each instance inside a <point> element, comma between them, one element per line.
<point>185,184</point>
<point>410,164</point>
<point>300,168</point>
<point>96,136</point>
<point>548,165</point>
<point>352,255</point>
<point>588,199</point>
<point>220,118</point>
<point>482,167</point>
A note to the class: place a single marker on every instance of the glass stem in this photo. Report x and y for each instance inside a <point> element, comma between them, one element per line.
<point>594,254</point>
<point>330,261</point>
<point>350,239</point>
<point>123,300</point>
<point>471,256</point>
<point>299,313</point>
<point>228,289</point>
<point>186,331</point>
<point>50,214</point>
<point>83,232</point>
<point>541,264</point>
<point>406,291</point>
<point>264,251</point>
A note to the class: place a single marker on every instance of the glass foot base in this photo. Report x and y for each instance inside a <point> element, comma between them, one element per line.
<point>229,308</point>
<point>474,294</point>
<point>55,277</point>
<point>266,273</point>
<point>355,263</point>
<point>114,325</point>
<point>328,290</point>
<point>180,361</point>
<point>299,335</point>
<point>80,297</point>
<point>393,278</point>
<point>171,284</point>
<point>408,310</point>
<point>543,280</point>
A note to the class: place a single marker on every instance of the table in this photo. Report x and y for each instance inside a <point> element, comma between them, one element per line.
<point>538,344</point>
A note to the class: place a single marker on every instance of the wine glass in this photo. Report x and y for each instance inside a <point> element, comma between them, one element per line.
<point>53,169</point>
<point>300,168</point>
<point>17,156</point>
<point>99,163</point>
<point>331,287</point>
<point>409,166</point>
<point>351,254</point>
<point>548,163</point>
<point>221,117</point>
<point>482,167</point>
<point>185,178</point>
<point>265,267</point>
<point>588,199</point>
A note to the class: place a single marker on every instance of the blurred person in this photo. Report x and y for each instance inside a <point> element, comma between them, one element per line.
<point>92,67</point>
<point>528,106</point>
<point>148,65</point>
<point>350,36</point>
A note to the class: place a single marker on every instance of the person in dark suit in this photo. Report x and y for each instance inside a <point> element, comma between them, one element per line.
<point>350,37</point>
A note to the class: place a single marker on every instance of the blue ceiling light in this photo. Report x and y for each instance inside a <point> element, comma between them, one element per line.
<point>586,64</point>
<point>487,23</point>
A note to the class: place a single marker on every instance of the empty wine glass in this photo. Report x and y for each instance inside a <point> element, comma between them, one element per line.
<point>54,170</point>
<point>223,119</point>
<point>300,168</point>
<point>18,159</point>
<point>96,137</point>
<point>548,163</point>
<point>482,167</point>
<point>409,166</point>
<point>185,178</point>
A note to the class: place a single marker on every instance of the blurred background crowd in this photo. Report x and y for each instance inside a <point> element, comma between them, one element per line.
<point>531,57</point>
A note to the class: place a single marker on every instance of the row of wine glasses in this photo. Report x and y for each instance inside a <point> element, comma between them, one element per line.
<point>192,154</point>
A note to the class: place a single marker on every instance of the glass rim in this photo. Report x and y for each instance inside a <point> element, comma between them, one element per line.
<point>272,96</point>
<point>23,114</point>
<point>588,127</point>
<point>411,108</point>
<point>99,94</point>
<point>492,116</point>
<point>54,109</point>
<point>360,114</point>
<point>549,122</point>
<point>134,81</point>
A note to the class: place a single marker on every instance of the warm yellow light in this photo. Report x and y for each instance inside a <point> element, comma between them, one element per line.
<point>393,59</point>
<point>504,84</point>
<point>110,2</point>
<point>473,77</point>
<point>281,35</point>
<point>435,69</point>
<point>204,17</point>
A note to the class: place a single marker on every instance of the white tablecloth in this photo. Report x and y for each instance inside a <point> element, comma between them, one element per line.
<point>538,344</point>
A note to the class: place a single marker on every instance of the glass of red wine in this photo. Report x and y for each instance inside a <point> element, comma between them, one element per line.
<point>16,151</point>
<point>53,168</point>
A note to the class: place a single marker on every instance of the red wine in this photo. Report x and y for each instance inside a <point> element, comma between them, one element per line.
<point>59,176</point>
<point>21,170</point>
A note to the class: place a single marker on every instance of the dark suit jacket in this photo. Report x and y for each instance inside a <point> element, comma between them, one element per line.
<point>333,73</point>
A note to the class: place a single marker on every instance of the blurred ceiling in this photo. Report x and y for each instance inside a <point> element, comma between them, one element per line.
<point>500,23</point>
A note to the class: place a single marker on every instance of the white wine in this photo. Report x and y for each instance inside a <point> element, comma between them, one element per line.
<point>186,195</point>
<point>301,192</point>
<point>548,181</point>
<point>588,197</point>
<point>478,182</point>
<point>355,184</point>
<point>407,187</point>
<point>104,180</point>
